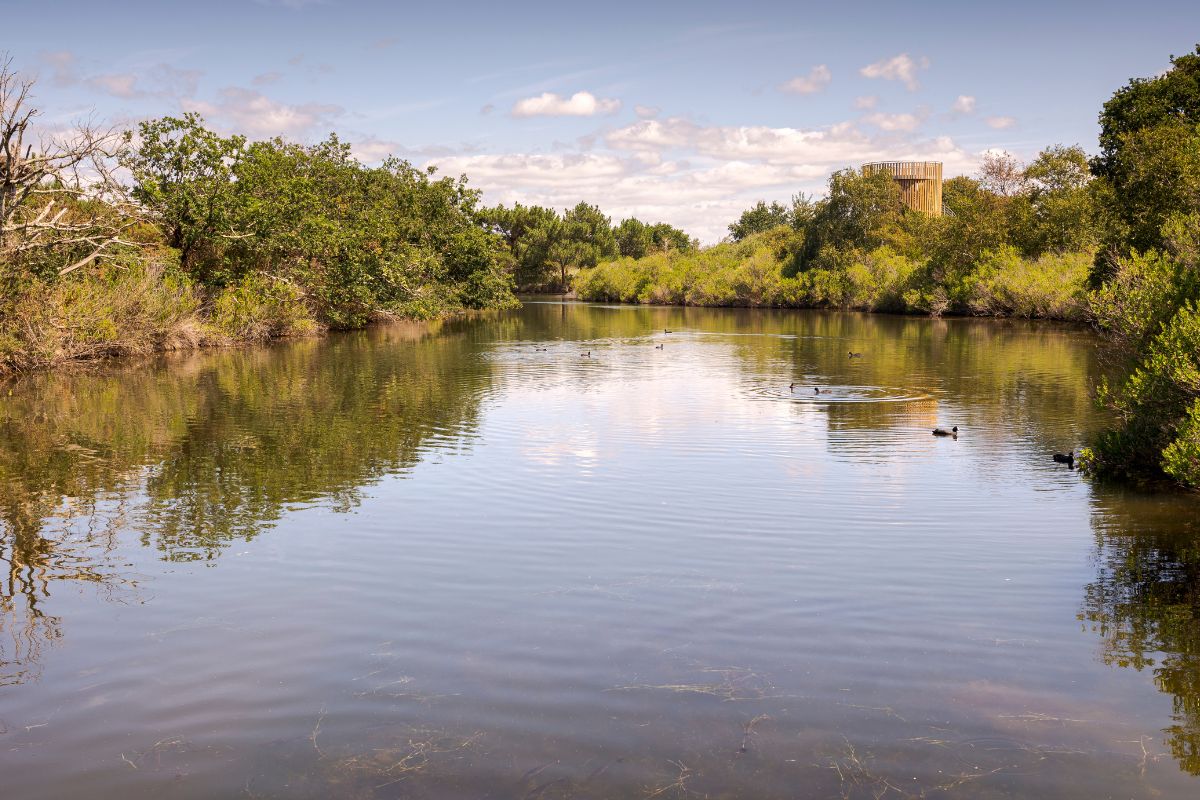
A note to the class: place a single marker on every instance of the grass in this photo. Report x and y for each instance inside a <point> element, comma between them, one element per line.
<point>138,308</point>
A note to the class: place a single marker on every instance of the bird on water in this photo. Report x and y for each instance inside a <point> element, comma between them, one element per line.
<point>855,355</point>
<point>658,347</point>
<point>816,390</point>
<point>588,354</point>
<point>1068,459</point>
<point>943,432</point>
<point>791,387</point>
<point>666,331</point>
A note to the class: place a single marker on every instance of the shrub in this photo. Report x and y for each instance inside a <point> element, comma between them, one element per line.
<point>122,309</point>
<point>258,308</point>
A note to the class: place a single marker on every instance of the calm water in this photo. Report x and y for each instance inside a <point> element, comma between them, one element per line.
<point>444,562</point>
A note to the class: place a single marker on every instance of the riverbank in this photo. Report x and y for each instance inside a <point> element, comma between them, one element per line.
<point>144,307</point>
<point>753,273</point>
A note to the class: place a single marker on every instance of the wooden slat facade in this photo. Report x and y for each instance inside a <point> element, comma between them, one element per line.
<point>920,182</point>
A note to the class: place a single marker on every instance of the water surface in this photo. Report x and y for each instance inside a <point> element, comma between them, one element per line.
<point>467,561</point>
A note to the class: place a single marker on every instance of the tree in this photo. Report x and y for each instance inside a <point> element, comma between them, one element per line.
<point>586,238</point>
<point>636,239</point>
<point>1150,154</point>
<point>859,214</point>
<point>183,175</point>
<point>60,205</point>
<point>1062,207</point>
<point>1148,300</point>
<point>758,218</point>
<point>1002,174</point>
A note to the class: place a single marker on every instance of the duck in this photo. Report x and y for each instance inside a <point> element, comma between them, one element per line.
<point>943,432</point>
<point>588,354</point>
<point>791,387</point>
<point>658,347</point>
<point>1068,459</point>
<point>540,349</point>
<point>816,390</point>
<point>667,331</point>
<point>855,355</point>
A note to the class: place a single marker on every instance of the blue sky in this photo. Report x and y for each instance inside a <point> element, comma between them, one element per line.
<point>683,112</point>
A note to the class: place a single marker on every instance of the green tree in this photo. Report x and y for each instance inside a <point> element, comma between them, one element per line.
<point>183,174</point>
<point>759,218</point>
<point>858,215</point>
<point>586,238</point>
<point>636,239</point>
<point>1149,298</point>
<point>1062,206</point>
<point>1150,154</point>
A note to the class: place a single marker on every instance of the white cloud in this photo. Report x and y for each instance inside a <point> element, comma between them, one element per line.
<point>902,68</point>
<point>266,78</point>
<point>372,151</point>
<point>254,114</point>
<point>694,176</point>
<point>652,134</point>
<point>62,66</point>
<point>1000,123</point>
<point>816,80</point>
<point>964,104</point>
<point>550,104</point>
<point>116,85</point>
<point>893,122</point>
<point>866,102</point>
<point>160,81</point>
<point>647,112</point>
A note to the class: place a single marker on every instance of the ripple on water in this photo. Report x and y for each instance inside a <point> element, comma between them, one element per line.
<point>803,393</point>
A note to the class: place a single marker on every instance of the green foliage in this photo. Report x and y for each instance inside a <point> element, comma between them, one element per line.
<point>544,248</point>
<point>860,212</point>
<point>1005,284</point>
<point>130,308</point>
<point>356,242</point>
<point>1149,282</point>
<point>184,174</point>
<point>1150,154</point>
<point>636,239</point>
<point>759,219</point>
<point>260,308</point>
<point>1062,214</point>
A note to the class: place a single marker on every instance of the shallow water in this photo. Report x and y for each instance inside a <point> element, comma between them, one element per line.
<point>464,561</point>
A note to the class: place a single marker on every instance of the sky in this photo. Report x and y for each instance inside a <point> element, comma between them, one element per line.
<point>685,113</point>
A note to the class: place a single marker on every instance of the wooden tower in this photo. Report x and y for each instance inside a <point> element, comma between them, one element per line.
<point>920,182</point>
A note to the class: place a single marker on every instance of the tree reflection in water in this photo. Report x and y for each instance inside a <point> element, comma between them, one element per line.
<point>206,451</point>
<point>1145,603</point>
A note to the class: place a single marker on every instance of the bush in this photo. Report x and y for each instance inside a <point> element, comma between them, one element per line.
<point>123,309</point>
<point>1005,284</point>
<point>258,308</point>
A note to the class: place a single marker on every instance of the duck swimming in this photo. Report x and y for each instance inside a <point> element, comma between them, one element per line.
<point>1068,459</point>
<point>855,355</point>
<point>791,387</point>
<point>666,331</point>
<point>943,432</point>
<point>658,347</point>
<point>816,390</point>
<point>588,354</point>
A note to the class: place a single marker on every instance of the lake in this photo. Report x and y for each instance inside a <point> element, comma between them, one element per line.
<point>464,560</point>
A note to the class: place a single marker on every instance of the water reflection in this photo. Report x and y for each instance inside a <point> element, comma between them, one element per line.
<point>1145,603</point>
<point>642,573</point>
<point>208,449</point>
